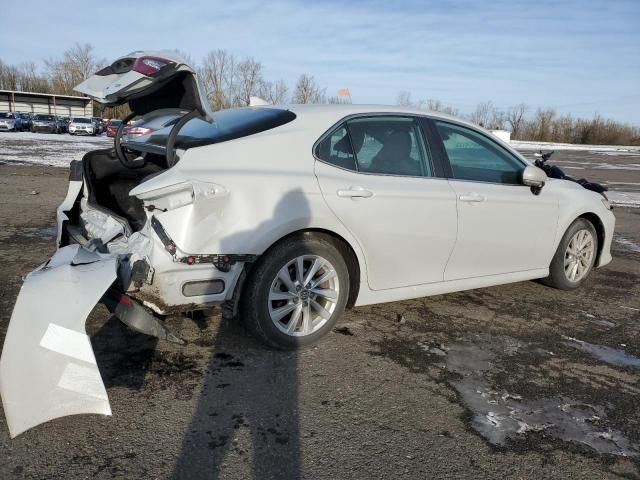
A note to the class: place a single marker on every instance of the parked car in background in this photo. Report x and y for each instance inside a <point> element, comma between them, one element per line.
<point>97,123</point>
<point>45,123</point>
<point>63,125</point>
<point>82,126</point>
<point>112,127</point>
<point>27,120</point>
<point>10,121</point>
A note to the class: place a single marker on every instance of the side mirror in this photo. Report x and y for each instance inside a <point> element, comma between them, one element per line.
<point>535,178</point>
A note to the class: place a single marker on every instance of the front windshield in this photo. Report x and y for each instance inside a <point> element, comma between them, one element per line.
<point>81,120</point>
<point>4,115</point>
<point>44,117</point>
<point>25,116</point>
<point>115,123</point>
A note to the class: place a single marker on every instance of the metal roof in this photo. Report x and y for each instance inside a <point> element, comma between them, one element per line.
<point>45,95</point>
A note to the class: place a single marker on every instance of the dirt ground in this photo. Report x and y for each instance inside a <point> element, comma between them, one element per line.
<point>516,381</point>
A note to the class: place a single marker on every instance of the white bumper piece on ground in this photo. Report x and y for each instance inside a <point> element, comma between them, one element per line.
<point>48,369</point>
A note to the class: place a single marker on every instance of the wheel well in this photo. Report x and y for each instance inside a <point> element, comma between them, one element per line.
<point>347,251</point>
<point>597,224</point>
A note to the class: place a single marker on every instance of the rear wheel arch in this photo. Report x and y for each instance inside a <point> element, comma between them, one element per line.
<point>347,250</point>
<point>230,308</point>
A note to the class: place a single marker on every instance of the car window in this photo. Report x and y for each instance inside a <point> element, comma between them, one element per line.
<point>336,149</point>
<point>473,156</point>
<point>227,125</point>
<point>390,146</point>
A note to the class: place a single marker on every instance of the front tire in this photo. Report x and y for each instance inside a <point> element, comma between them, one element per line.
<point>575,257</point>
<point>296,292</point>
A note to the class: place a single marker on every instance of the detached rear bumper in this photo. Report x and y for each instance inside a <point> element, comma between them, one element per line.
<point>48,369</point>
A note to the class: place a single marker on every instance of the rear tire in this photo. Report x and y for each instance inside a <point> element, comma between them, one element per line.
<point>286,309</point>
<point>575,257</point>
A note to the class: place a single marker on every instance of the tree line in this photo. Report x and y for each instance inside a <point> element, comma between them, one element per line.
<point>541,125</point>
<point>229,81</point>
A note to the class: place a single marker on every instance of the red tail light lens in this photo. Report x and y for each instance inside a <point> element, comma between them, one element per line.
<point>149,66</point>
<point>131,131</point>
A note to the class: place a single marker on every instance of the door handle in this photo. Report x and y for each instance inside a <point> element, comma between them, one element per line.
<point>471,197</point>
<point>355,192</point>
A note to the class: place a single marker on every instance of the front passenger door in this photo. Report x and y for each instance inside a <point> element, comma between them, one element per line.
<point>502,227</point>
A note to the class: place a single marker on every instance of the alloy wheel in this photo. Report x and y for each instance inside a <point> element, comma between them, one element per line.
<point>579,255</point>
<point>303,295</point>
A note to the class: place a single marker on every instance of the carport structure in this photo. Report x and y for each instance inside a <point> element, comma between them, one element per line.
<point>47,103</point>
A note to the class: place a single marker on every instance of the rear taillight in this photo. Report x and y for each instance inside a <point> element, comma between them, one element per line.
<point>139,131</point>
<point>149,66</point>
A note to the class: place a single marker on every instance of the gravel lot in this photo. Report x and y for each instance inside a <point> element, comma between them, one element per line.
<point>516,381</point>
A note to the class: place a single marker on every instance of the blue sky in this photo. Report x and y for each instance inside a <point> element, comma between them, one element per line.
<point>580,57</point>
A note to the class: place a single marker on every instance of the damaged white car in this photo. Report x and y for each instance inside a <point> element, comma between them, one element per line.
<point>285,215</point>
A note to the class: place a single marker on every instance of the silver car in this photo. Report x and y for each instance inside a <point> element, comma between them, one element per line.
<point>10,121</point>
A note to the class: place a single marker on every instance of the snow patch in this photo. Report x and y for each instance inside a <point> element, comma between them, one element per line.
<point>524,145</point>
<point>624,199</point>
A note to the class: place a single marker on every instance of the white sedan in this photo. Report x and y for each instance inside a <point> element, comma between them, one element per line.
<point>285,216</point>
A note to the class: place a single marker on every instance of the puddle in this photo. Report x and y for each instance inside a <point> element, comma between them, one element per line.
<point>45,233</point>
<point>597,321</point>
<point>603,323</point>
<point>627,244</point>
<point>612,356</point>
<point>503,417</point>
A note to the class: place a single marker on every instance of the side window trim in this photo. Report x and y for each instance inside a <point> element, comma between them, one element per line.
<point>439,158</point>
<point>342,123</point>
<point>445,156</point>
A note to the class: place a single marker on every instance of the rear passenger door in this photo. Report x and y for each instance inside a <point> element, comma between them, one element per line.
<point>377,175</point>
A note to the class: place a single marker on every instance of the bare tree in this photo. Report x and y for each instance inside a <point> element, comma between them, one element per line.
<point>273,92</point>
<point>218,75</point>
<point>488,116</point>
<point>8,76</point>
<point>438,106</point>
<point>77,64</point>
<point>403,99</point>
<point>248,81</point>
<point>338,100</point>
<point>515,118</point>
<point>307,91</point>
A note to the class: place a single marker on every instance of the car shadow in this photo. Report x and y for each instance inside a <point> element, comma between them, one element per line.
<point>247,410</point>
<point>124,356</point>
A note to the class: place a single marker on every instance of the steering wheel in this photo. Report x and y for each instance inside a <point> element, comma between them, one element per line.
<point>117,143</point>
<point>173,134</point>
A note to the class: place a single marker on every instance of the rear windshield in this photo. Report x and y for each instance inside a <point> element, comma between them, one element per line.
<point>228,125</point>
<point>44,117</point>
<point>81,120</point>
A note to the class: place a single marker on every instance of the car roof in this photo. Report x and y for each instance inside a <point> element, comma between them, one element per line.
<point>340,110</point>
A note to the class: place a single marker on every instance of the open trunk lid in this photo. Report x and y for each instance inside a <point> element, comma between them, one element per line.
<point>147,81</point>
